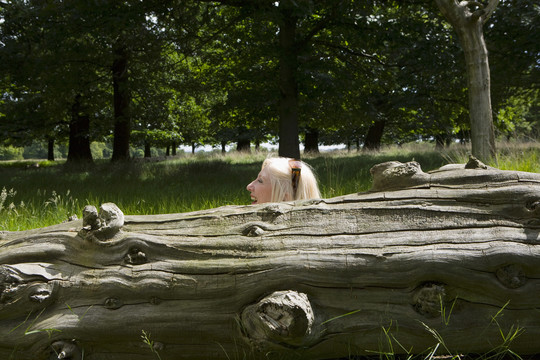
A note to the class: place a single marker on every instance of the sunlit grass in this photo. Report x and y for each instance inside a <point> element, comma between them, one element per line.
<point>51,193</point>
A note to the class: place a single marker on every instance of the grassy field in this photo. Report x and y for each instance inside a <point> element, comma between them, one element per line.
<point>33,197</point>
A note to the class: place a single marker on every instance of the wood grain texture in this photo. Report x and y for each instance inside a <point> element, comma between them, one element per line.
<point>456,251</point>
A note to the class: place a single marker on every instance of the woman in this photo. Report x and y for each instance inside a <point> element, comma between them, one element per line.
<point>283,179</point>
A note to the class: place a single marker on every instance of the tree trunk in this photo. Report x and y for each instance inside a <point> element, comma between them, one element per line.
<point>147,150</point>
<point>452,255</point>
<point>79,134</point>
<point>311,144</point>
<point>374,135</point>
<point>243,145</point>
<point>50,149</point>
<point>121,100</point>
<point>467,19</point>
<point>289,145</point>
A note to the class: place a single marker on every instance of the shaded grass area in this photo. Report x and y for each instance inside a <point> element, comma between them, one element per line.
<point>41,196</point>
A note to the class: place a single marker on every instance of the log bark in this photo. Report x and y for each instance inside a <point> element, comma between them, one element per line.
<point>447,261</point>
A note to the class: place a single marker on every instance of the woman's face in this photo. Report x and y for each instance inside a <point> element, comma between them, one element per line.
<point>261,188</point>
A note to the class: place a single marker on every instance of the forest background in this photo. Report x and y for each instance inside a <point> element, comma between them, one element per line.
<point>152,74</point>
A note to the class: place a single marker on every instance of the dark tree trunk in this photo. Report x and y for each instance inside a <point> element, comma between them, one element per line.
<point>50,149</point>
<point>243,145</point>
<point>374,135</point>
<point>243,140</point>
<point>193,147</point>
<point>312,141</point>
<point>440,141</point>
<point>223,147</point>
<point>289,144</point>
<point>79,134</point>
<point>168,150</point>
<point>173,148</point>
<point>121,100</point>
<point>147,152</point>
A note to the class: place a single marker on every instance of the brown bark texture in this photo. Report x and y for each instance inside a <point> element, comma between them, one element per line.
<point>446,261</point>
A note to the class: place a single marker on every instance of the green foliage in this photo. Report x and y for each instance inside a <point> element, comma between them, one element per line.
<point>11,153</point>
<point>208,72</point>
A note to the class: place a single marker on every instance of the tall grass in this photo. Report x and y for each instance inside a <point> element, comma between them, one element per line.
<point>49,194</point>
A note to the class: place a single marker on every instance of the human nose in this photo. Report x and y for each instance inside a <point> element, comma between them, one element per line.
<point>249,186</point>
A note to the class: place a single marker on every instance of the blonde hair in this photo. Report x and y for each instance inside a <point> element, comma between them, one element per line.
<point>281,179</point>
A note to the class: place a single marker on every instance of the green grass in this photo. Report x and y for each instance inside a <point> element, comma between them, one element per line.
<point>35,197</point>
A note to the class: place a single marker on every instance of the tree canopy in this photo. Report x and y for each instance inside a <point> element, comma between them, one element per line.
<point>233,71</point>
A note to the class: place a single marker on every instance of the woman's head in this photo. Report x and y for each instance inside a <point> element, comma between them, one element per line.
<point>284,179</point>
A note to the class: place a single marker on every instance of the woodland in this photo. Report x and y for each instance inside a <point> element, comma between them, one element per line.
<point>197,72</point>
<point>443,263</point>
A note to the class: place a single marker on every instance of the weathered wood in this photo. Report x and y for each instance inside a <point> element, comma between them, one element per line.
<point>455,251</point>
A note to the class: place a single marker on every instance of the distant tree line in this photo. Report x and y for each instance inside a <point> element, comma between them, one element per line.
<point>153,74</point>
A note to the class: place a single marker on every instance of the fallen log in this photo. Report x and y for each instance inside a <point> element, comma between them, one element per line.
<point>446,261</point>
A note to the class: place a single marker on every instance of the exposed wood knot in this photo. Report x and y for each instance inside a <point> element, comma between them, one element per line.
<point>113,303</point>
<point>272,212</point>
<point>393,174</point>
<point>41,294</point>
<point>103,225</point>
<point>534,207</point>
<point>429,299</point>
<point>284,318</point>
<point>474,163</point>
<point>135,257</point>
<point>10,283</point>
<point>154,300</point>
<point>511,276</point>
<point>253,231</point>
<point>65,349</point>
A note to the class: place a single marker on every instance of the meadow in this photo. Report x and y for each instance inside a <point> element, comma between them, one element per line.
<point>37,196</point>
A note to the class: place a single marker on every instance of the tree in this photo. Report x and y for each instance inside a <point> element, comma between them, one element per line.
<point>468,19</point>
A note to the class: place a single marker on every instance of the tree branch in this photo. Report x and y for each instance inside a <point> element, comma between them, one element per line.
<point>355,53</point>
<point>489,9</point>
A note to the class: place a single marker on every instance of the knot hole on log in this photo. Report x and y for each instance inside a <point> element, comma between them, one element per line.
<point>65,349</point>
<point>284,318</point>
<point>272,212</point>
<point>135,257</point>
<point>511,276</point>
<point>113,303</point>
<point>101,225</point>
<point>429,299</point>
<point>253,231</point>
<point>533,206</point>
